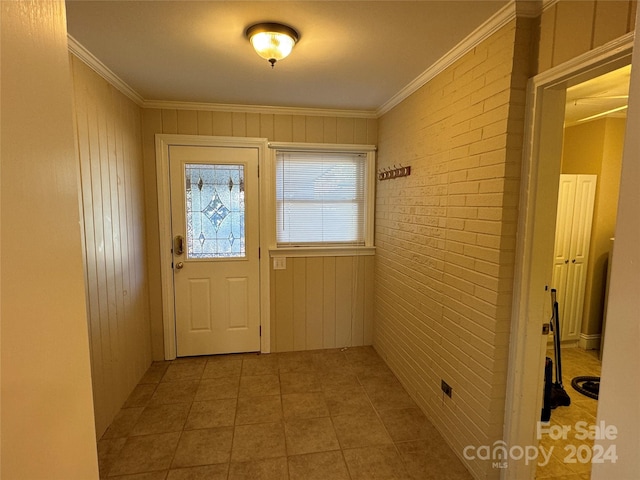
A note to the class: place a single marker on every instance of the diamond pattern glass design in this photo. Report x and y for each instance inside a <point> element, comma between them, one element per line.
<point>215,211</point>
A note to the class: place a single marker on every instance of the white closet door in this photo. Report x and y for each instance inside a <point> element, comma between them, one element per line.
<point>573,237</point>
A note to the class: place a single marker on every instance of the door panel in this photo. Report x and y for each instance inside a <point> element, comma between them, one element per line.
<point>214,207</point>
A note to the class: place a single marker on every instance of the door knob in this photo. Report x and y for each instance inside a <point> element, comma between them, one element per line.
<point>566,261</point>
<point>179,265</point>
<point>573,261</point>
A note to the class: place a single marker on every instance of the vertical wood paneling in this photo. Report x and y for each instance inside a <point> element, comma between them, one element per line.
<point>344,300</point>
<point>329,302</point>
<point>298,130</point>
<point>314,130</point>
<point>369,299</point>
<point>330,130</point>
<point>109,152</point>
<point>205,123</point>
<point>266,125</point>
<point>169,121</point>
<point>187,121</point>
<point>299,303</point>
<point>283,292</point>
<point>360,131</point>
<point>314,303</point>
<point>239,124</point>
<point>357,320</point>
<point>323,302</point>
<point>345,130</point>
<point>283,128</point>
<point>253,124</point>
<point>222,124</point>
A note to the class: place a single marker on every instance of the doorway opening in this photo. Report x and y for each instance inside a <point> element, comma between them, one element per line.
<point>591,161</point>
<point>543,162</point>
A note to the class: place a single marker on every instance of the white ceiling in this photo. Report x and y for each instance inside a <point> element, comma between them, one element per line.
<point>606,95</point>
<point>352,55</point>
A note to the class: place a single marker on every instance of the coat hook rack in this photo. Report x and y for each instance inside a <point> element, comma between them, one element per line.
<point>393,172</point>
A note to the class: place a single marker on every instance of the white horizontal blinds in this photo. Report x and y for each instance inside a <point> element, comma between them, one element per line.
<point>320,198</point>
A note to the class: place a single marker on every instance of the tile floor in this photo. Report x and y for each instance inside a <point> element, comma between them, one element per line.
<point>575,362</point>
<point>327,414</point>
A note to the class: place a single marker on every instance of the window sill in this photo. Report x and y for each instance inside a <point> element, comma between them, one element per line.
<point>322,251</point>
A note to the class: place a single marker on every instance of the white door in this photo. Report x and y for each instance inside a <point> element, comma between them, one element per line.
<point>573,236</point>
<point>215,229</point>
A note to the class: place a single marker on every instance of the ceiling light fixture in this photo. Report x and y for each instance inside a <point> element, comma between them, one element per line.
<point>272,41</point>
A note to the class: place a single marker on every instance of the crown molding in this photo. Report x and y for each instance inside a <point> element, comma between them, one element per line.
<point>263,109</point>
<point>101,69</point>
<point>515,8</point>
<point>77,49</point>
<point>507,13</point>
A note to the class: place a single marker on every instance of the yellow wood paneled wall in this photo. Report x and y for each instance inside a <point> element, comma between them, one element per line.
<point>274,127</point>
<point>109,145</point>
<point>570,28</point>
<point>322,302</point>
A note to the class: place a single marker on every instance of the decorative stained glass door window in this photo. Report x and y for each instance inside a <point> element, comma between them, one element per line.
<point>215,211</point>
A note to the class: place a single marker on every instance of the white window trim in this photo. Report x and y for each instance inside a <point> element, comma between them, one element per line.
<point>369,203</point>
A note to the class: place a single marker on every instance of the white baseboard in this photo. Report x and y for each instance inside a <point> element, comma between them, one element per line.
<point>589,341</point>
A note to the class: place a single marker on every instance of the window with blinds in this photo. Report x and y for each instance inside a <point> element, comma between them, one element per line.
<point>320,198</point>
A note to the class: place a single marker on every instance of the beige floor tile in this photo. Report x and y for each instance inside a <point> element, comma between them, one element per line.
<point>375,463</point>
<point>108,451</point>
<point>211,414</point>
<point>329,360</point>
<point>145,453</point>
<point>253,410</point>
<point>141,395</point>
<point>347,401</point>
<point>142,476</point>
<point>360,431</point>
<point>386,392</point>
<point>267,469</point>
<point>224,366</point>
<point>304,405</point>
<point>259,385</point>
<point>318,466</point>
<point>217,388</point>
<point>310,435</point>
<point>257,442</point>
<point>299,382</point>
<point>406,424</point>
<point>186,370</point>
<point>431,459</point>
<point>206,472</point>
<point>161,419</point>
<point>300,362</point>
<point>174,392</point>
<point>260,365</point>
<point>123,423</point>
<point>155,372</point>
<point>203,447</point>
<point>337,379</point>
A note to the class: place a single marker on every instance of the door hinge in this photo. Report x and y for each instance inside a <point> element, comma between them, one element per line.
<point>260,330</point>
<point>258,253</point>
<point>258,171</point>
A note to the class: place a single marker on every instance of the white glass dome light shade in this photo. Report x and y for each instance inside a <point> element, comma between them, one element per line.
<point>272,41</point>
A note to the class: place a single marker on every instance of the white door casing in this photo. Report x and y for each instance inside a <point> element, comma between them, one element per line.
<point>163,144</point>
<point>214,223</point>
